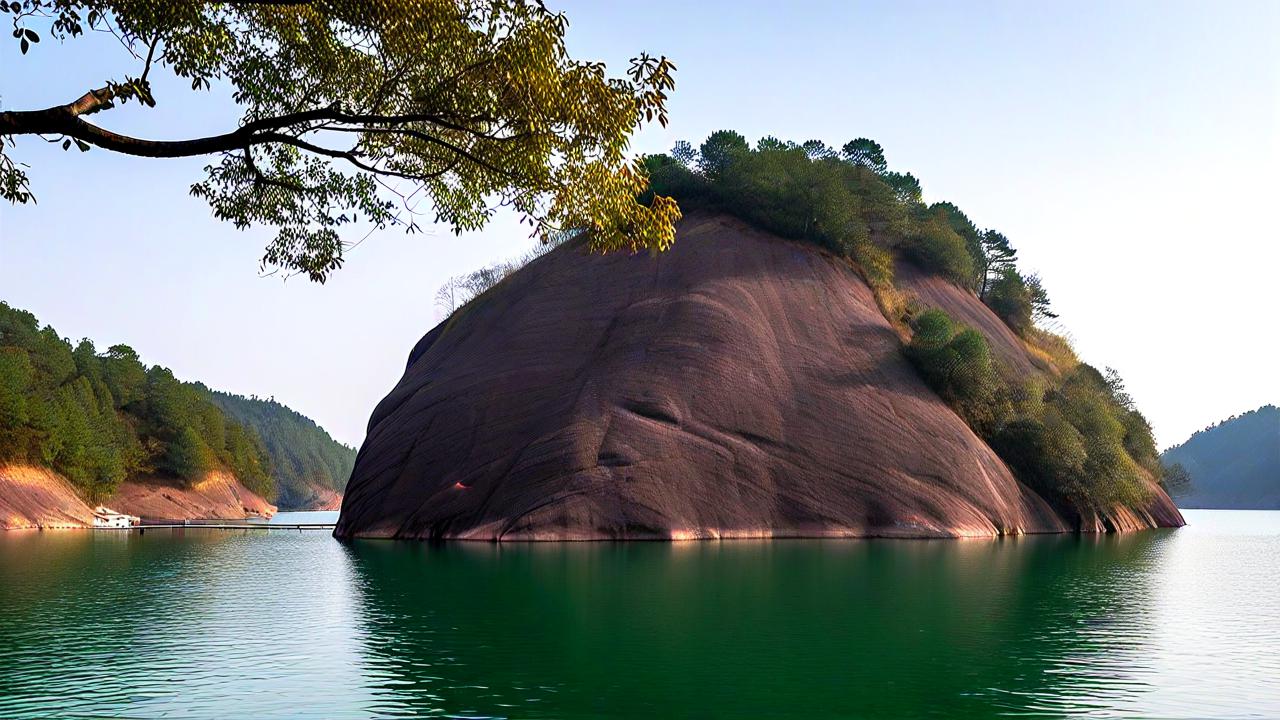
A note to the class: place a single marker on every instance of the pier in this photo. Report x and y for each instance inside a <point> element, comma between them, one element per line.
<point>219,525</point>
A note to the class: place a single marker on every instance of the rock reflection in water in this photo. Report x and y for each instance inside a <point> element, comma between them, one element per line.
<point>797,628</point>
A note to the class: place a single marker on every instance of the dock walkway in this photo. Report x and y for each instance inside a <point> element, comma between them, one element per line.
<point>228,525</point>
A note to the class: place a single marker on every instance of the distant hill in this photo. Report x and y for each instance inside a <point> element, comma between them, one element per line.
<point>1234,464</point>
<point>113,429</point>
<point>100,419</point>
<point>305,461</point>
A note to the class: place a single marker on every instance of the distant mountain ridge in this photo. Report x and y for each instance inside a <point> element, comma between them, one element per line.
<point>1234,464</point>
<point>308,465</point>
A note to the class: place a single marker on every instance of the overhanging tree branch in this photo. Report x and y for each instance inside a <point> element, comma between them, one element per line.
<point>66,120</point>
<point>430,98</point>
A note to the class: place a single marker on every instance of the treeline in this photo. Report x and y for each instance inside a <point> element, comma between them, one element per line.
<point>1248,416</point>
<point>99,418</point>
<point>851,203</point>
<point>1073,434</point>
<point>462,289</point>
<point>302,453</point>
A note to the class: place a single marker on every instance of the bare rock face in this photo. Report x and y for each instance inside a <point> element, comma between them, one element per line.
<point>737,386</point>
<point>33,497</point>
<point>219,495</point>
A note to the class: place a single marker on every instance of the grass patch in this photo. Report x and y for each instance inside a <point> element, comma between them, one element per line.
<point>1050,350</point>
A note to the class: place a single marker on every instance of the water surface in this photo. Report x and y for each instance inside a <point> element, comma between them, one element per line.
<point>276,623</point>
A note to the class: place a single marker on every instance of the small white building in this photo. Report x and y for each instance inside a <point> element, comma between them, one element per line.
<point>105,517</point>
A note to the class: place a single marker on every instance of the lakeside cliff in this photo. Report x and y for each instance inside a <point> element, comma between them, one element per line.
<point>738,385</point>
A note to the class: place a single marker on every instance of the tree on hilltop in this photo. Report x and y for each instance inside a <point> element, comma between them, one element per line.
<point>719,150</point>
<point>997,257</point>
<point>1040,306</point>
<point>867,153</point>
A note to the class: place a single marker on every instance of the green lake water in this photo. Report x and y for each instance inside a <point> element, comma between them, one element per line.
<point>260,624</point>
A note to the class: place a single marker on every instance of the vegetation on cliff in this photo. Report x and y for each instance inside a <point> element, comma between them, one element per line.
<point>99,418</point>
<point>1078,440</point>
<point>1071,432</point>
<point>850,203</point>
<point>302,454</point>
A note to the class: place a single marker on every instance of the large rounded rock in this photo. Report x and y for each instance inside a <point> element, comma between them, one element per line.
<point>737,386</point>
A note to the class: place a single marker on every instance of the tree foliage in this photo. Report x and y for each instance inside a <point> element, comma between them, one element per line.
<point>1010,298</point>
<point>353,111</point>
<point>805,191</point>
<point>997,257</point>
<point>937,246</point>
<point>956,362</point>
<point>866,153</point>
<point>1177,481</point>
<point>720,150</point>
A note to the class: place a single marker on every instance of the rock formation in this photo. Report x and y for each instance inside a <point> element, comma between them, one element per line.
<point>219,495</point>
<point>736,386</point>
<point>32,497</point>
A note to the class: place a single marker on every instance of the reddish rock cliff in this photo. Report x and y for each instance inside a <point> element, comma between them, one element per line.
<point>33,497</point>
<point>736,386</point>
<point>319,497</point>
<point>218,496</point>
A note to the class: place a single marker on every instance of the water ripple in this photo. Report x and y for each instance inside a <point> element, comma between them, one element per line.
<point>209,624</point>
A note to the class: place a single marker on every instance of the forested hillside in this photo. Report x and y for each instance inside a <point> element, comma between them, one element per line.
<point>99,418</point>
<point>1234,464</point>
<point>1068,430</point>
<point>302,453</point>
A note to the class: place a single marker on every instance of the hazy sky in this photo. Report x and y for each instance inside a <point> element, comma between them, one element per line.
<point>1129,150</point>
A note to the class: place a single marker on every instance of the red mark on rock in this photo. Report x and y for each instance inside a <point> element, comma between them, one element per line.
<point>460,486</point>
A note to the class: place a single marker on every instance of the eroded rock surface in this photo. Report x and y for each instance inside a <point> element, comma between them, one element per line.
<point>737,386</point>
<point>33,497</point>
<point>218,496</point>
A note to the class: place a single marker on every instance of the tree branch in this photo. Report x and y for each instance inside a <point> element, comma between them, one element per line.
<point>151,52</point>
<point>65,120</point>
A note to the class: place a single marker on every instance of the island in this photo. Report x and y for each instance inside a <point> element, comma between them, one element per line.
<point>834,364</point>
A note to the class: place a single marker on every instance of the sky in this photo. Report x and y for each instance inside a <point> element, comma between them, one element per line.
<point>1128,149</point>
